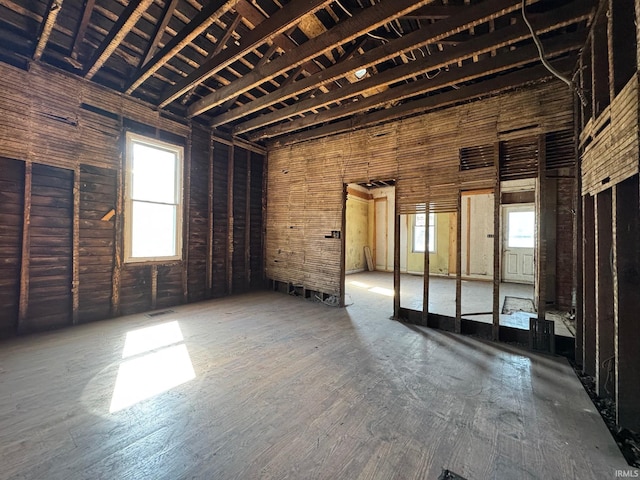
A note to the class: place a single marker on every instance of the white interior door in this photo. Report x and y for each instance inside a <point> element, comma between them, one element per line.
<point>518,243</point>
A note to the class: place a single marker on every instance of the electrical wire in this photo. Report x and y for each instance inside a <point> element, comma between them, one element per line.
<point>544,60</point>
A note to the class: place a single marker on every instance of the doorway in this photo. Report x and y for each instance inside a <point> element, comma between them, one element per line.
<point>518,243</point>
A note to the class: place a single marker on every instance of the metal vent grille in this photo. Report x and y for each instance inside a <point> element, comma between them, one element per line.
<point>542,335</point>
<point>481,156</point>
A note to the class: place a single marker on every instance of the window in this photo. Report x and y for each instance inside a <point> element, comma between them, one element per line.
<point>419,231</point>
<point>153,200</point>
<point>521,231</point>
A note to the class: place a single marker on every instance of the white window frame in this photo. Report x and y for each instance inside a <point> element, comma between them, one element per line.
<point>178,151</point>
<point>430,221</point>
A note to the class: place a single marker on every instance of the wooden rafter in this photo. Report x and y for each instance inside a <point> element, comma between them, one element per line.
<point>208,15</point>
<point>282,20</point>
<point>500,84</point>
<point>569,14</point>
<point>469,17</point>
<point>161,26</point>
<point>483,68</point>
<point>125,23</point>
<point>82,27</point>
<point>281,41</point>
<point>47,26</point>
<point>366,20</point>
<point>434,12</point>
<point>217,49</point>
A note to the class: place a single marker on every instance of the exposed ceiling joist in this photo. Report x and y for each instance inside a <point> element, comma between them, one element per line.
<point>281,41</point>
<point>471,92</point>
<point>281,21</point>
<point>490,66</point>
<point>569,14</point>
<point>47,26</point>
<point>82,27</point>
<point>209,14</point>
<point>429,34</point>
<point>351,28</point>
<point>217,49</point>
<point>161,26</point>
<point>123,26</point>
<point>434,12</point>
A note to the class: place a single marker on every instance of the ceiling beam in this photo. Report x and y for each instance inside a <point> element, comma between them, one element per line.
<point>428,34</point>
<point>497,85</point>
<point>82,27</point>
<point>48,22</point>
<point>567,15</point>
<point>127,20</point>
<point>351,28</point>
<point>161,26</point>
<point>211,12</point>
<point>282,41</point>
<point>279,22</point>
<point>434,12</point>
<point>483,68</point>
<point>217,49</point>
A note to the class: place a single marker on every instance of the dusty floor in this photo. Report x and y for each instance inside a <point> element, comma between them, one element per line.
<point>376,288</point>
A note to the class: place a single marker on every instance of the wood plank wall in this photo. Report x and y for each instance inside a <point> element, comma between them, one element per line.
<point>609,143</point>
<point>11,217</point>
<point>62,176</point>
<point>98,197</point>
<point>609,151</point>
<point>305,180</point>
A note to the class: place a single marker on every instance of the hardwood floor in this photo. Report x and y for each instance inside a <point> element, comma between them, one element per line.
<point>269,386</point>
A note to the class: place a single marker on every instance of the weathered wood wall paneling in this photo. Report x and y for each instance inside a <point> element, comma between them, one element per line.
<point>256,225</point>
<point>627,302</point>
<point>63,125</point>
<point>198,243</point>
<point>240,223</point>
<point>421,153</point>
<point>589,285</point>
<point>98,197</point>
<point>50,248</point>
<point>610,148</point>
<point>135,289</point>
<point>11,215</point>
<point>605,350</point>
<point>220,221</point>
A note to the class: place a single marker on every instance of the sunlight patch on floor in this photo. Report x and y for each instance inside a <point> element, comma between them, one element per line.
<point>382,291</point>
<point>157,360</point>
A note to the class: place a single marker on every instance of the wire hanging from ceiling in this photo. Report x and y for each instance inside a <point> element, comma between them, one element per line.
<point>544,60</point>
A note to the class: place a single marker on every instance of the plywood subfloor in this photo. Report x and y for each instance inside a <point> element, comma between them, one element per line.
<point>284,388</point>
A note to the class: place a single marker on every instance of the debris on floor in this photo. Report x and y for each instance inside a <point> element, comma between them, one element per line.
<point>449,475</point>
<point>627,440</point>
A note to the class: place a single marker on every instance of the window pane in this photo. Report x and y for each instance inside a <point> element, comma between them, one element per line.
<point>418,239</point>
<point>521,229</point>
<point>420,219</point>
<point>432,238</point>
<point>153,231</point>
<point>154,174</point>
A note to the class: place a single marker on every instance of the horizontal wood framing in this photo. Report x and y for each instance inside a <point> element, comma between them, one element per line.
<point>421,153</point>
<point>609,143</point>
<point>65,265</point>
